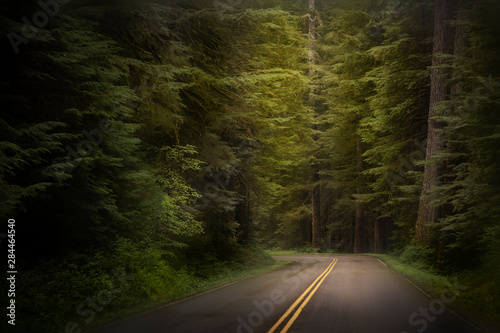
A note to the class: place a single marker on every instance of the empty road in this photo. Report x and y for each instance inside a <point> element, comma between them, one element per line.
<point>318,293</point>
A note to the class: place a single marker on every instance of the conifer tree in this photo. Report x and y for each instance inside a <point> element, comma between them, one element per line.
<point>316,188</point>
<point>394,129</point>
<point>470,133</point>
<point>344,64</point>
<point>428,212</point>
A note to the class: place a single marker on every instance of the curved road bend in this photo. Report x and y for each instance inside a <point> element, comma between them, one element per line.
<point>318,293</point>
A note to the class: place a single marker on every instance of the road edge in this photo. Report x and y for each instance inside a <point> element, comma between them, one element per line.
<point>477,323</point>
<point>185,298</point>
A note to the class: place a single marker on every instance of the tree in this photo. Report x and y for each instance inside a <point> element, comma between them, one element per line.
<point>316,188</point>
<point>344,92</point>
<point>471,137</point>
<point>394,129</point>
<point>428,212</point>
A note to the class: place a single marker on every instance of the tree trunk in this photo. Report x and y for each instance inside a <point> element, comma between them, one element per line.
<point>312,36</point>
<point>315,195</point>
<point>307,231</point>
<point>242,209</point>
<point>359,227</point>
<point>443,44</point>
<point>359,230</point>
<point>316,214</point>
<point>378,237</point>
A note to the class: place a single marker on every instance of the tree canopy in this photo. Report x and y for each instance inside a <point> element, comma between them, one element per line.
<point>187,132</point>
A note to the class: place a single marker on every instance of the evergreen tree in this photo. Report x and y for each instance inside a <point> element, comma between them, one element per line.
<point>395,127</point>
<point>442,44</point>
<point>470,136</point>
<point>344,63</point>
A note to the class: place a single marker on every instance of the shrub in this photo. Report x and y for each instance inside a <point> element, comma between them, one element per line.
<point>418,256</point>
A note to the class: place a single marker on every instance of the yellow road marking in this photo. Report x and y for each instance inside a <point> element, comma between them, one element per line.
<point>299,310</point>
<point>320,278</point>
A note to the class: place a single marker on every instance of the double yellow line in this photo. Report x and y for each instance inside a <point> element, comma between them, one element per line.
<point>314,286</point>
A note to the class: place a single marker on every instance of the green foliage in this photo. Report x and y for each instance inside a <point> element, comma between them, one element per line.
<point>172,164</point>
<point>161,138</point>
<point>343,89</point>
<point>129,275</point>
<point>394,128</point>
<point>138,137</point>
<point>469,182</point>
<point>418,256</point>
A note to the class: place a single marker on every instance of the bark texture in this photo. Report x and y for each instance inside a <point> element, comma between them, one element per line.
<point>315,195</point>
<point>442,44</point>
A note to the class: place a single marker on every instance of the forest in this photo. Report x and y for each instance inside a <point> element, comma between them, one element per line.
<point>172,140</point>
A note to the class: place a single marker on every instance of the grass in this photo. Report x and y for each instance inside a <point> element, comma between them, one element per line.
<point>430,280</point>
<point>480,298</point>
<point>61,292</point>
<point>236,275</point>
<point>305,250</point>
<point>225,276</point>
<point>282,252</point>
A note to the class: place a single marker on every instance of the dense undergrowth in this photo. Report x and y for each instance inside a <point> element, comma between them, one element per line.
<point>83,293</point>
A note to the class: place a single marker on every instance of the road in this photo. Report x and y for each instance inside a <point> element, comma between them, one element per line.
<point>318,293</point>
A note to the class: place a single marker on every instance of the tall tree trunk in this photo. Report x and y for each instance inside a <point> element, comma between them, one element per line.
<point>381,231</point>
<point>316,194</point>
<point>312,36</point>
<point>443,44</point>
<point>377,237</point>
<point>359,227</point>
<point>316,214</point>
<point>359,230</point>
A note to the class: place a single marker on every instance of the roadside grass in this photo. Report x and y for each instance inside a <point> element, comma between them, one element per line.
<point>281,252</point>
<point>82,292</point>
<point>481,298</point>
<point>226,274</point>
<point>430,280</point>
<point>416,272</point>
<point>303,250</point>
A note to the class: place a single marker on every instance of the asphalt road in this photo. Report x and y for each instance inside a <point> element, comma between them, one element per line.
<point>319,293</point>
